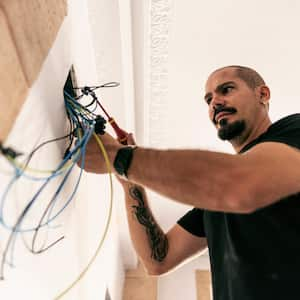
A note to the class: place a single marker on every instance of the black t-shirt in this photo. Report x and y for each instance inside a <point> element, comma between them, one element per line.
<point>255,256</point>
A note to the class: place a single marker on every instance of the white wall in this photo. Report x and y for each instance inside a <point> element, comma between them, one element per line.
<point>43,117</point>
<point>183,42</point>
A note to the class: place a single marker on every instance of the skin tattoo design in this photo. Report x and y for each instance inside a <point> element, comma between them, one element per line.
<point>158,242</point>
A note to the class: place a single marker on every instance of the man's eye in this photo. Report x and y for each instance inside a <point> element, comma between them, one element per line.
<point>227,89</point>
<point>208,100</point>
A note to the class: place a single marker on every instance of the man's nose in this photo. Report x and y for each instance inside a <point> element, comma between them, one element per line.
<point>217,101</point>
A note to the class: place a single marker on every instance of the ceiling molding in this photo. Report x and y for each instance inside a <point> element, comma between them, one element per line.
<point>156,71</point>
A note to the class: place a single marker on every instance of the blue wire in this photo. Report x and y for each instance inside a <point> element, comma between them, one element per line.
<point>16,230</point>
<point>83,141</point>
<point>82,119</point>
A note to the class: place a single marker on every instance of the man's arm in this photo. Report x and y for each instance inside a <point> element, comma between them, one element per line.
<point>211,180</point>
<point>218,181</point>
<point>158,252</point>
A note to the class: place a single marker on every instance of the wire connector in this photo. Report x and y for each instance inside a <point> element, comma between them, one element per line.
<point>100,125</point>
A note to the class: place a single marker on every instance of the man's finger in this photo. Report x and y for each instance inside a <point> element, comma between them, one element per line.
<point>130,139</point>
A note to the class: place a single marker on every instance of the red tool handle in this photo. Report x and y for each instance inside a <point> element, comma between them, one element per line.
<point>121,134</point>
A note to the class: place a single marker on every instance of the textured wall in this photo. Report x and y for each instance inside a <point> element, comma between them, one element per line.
<point>28,30</point>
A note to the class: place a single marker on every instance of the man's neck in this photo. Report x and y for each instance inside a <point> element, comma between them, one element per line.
<point>240,142</point>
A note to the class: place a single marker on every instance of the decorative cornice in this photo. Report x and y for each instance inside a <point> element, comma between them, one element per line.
<point>160,11</point>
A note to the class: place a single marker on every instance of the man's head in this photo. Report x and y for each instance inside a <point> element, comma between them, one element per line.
<point>238,101</point>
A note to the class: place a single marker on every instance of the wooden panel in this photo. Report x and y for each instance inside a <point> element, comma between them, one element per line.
<point>13,86</point>
<point>34,25</point>
<point>139,286</point>
<point>203,285</point>
<point>28,30</point>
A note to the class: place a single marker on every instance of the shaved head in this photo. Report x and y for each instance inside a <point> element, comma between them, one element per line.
<point>248,75</point>
<point>238,102</point>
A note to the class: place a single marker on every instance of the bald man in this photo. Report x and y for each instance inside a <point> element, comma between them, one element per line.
<point>246,207</point>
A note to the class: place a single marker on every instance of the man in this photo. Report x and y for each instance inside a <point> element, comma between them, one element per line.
<point>246,205</point>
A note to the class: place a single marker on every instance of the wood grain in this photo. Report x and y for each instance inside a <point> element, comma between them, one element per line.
<point>34,25</point>
<point>13,85</point>
<point>203,285</point>
<point>139,286</point>
<point>28,29</point>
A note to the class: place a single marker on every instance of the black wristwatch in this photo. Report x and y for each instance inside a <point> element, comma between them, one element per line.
<point>123,160</point>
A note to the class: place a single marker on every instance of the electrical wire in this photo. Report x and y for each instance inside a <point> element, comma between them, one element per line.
<point>81,144</point>
<point>18,173</point>
<point>84,122</point>
<point>102,239</point>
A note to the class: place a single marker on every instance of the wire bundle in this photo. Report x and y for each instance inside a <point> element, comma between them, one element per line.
<point>84,123</point>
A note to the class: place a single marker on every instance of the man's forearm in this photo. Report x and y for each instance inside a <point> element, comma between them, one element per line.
<point>149,240</point>
<point>204,179</point>
<point>200,178</point>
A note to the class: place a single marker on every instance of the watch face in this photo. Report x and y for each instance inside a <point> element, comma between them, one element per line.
<point>123,160</point>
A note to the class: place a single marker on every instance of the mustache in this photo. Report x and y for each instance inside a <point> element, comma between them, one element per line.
<point>219,109</point>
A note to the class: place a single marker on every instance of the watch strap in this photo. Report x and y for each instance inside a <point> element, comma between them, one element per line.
<point>123,160</point>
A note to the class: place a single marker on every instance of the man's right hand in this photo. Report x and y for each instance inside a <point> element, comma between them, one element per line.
<point>94,160</point>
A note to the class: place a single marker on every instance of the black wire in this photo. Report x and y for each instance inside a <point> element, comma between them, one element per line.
<point>44,144</point>
<point>53,199</point>
<point>105,85</point>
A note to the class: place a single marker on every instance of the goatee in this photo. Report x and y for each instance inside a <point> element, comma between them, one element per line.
<point>229,131</point>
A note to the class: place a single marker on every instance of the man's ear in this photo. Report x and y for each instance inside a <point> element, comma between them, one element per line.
<point>264,94</point>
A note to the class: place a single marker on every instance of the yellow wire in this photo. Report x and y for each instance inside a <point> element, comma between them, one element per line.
<point>35,171</point>
<point>38,171</point>
<point>63,293</point>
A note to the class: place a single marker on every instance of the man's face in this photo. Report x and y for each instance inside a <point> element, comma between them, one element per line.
<point>232,104</point>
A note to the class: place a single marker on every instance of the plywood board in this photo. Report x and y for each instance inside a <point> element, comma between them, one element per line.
<point>28,31</point>
<point>203,285</point>
<point>138,285</point>
<point>140,288</point>
<point>13,85</point>
<point>34,25</point>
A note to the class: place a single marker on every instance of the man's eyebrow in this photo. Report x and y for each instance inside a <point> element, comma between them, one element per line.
<point>218,88</point>
<point>206,96</point>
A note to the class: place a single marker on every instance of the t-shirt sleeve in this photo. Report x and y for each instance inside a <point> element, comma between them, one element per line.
<point>192,222</point>
<point>287,132</point>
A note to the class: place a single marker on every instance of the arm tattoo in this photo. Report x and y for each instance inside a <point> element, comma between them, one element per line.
<point>157,240</point>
